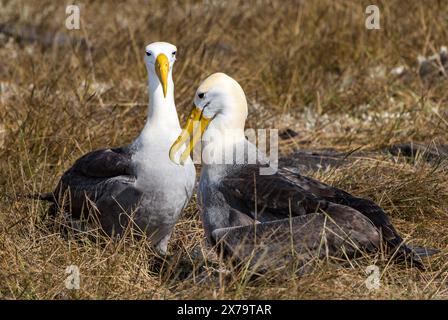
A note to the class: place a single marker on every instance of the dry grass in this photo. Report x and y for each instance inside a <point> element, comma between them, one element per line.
<point>307,65</point>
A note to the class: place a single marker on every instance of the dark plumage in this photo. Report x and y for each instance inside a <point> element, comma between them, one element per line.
<point>288,201</point>
<point>103,177</point>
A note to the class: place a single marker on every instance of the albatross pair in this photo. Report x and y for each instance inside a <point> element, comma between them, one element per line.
<point>270,220</point>
<point>136,185</point>
<point>251,215</point>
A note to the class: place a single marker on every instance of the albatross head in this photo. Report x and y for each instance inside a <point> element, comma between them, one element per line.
<point>220,103</point>
<point>159,59</point>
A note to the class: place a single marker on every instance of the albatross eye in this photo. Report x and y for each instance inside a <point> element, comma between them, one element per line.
<point>148,53</point>
<point>201,95</point>
<point>174,53</point>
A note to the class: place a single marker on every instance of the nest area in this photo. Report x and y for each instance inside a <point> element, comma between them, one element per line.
<point>308,67</point>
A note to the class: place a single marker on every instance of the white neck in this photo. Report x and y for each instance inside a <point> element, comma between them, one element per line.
<point>162,118</point>
<point>221,142</point>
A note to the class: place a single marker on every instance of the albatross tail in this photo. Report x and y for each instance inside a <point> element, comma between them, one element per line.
<point>48,196</point>
<point>414,253</point>
<point>422,252</point>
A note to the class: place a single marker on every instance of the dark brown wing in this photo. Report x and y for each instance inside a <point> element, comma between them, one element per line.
<point>287,193</point>
<point>367,207</point>
<point>93,174</point>
<point>105,163</point>
<point>264,197</point>
<point>268,197</point>
<point>340,232</point>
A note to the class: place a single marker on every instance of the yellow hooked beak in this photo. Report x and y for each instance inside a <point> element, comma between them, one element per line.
<point>188,132</point>
<point>162,69</point>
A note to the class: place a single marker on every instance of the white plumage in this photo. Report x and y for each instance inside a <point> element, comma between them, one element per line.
<point>136,185</point>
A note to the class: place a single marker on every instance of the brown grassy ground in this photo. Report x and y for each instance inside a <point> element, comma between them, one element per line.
<point>307,65</point>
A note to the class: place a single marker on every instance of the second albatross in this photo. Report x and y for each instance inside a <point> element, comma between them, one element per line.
<point>277,218</point>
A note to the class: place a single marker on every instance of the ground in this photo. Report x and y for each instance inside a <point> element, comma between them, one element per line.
<point>310,66</point>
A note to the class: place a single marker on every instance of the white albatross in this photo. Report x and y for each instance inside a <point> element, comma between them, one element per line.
<point>135,184</point>
<point>273,219</point>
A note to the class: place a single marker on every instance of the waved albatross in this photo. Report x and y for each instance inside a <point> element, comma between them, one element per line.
<point>272,219</point>
<point>137,183</point>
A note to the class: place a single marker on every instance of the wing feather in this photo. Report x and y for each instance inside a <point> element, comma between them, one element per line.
<point>91,176</point>
<point>289,194</point>
<point>340,231</point>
